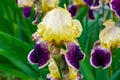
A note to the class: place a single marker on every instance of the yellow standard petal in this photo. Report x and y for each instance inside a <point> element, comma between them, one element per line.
<point>58,26</point>
<point>49,4</point>
<point>110,36</point>
<point>25,3</point>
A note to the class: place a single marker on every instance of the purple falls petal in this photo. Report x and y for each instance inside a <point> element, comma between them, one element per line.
<point>32,57</point>
<point>115,5</point>
<point>90,14</point>
<point>40,54</point>
<point>88,2</point>
<point>73,10</point>
<point>101,57</point>
<point>73,55</point>
<point>26,11</point>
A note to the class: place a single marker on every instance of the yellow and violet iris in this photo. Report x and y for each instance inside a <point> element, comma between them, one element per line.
<point>109,38</point>
<point>39,5</point>
<point>58,29</point>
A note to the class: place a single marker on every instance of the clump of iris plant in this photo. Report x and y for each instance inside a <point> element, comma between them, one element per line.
<point>109,39</point>
<point>40,6</point>
<point>56,30</point>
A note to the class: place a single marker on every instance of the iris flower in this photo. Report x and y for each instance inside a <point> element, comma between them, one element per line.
<point>26,4</point>
<point>109,38</point>
<point>58,29</point>
<point>92,4</point>
<point>39,5</point>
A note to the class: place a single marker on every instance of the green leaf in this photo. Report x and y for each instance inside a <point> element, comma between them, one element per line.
<point>17,62</point>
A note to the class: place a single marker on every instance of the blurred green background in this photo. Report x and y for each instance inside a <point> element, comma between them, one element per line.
<point>16,42</point>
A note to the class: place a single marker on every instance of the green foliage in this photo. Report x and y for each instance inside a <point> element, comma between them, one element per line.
<point>16,42</point>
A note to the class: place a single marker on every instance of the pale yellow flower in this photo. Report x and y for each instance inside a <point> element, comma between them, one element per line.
<point>59,26</point>
<point>110,36</point>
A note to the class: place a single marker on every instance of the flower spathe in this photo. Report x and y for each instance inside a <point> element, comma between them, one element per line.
<point>56,29</point>
<point>109,39</point>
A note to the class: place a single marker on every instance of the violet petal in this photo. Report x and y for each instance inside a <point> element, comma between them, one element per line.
<point>115,5</point>
<point>100,57</point>
<point>73,55</point>
<point>90,14</point>
<point>40,55</point>
<point>26,11</point>
<point>73,10</point>
<point>88,2</point>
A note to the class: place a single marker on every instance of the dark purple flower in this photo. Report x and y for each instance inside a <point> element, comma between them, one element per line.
<point>73,10</point>
<point>73,55</point>
<point>115,5</point>
<point>40,54</point>
<point>101,57</point>
<point>26,11</point>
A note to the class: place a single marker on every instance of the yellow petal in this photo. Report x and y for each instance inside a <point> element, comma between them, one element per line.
<point>49,4</point>
<point>25,3</point>
<point>79,2</point>
<point>110,35</point>
<point>59,26</point>
<point>72,74</point>
<point>41,29</point>
<point>54,72</point>
<point>77,27</point>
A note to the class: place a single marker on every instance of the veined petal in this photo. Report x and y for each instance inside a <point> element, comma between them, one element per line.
<point>115,6</point>
<point>110,35</point>
<point>59,26</point>
<point>40,54</point>
<point>100,57</point>
<point>25,3</point>
<point>54,72</point>
<point>73,55</point>
<point>26,11</point>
